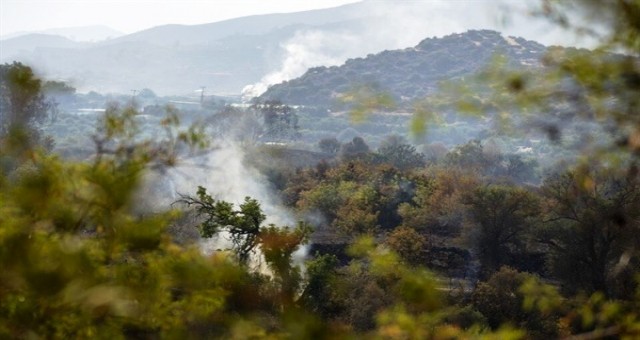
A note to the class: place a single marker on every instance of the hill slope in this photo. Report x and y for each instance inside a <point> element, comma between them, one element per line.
<point>92,33</point>
<point>245,53</point>
<point>409,73</point>
<point>29,43</point>
<point>249,25</point>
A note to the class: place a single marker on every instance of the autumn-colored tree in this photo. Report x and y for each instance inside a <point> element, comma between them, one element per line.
<point>437,207</point>
<point>408,244</point>
<point>277,245</point>
<point>356,197</point>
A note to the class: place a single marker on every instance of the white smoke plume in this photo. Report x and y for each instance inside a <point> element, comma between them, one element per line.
<point>396,24</point>
<point>225,175</point>
<point>305,50</point>
<point>389,25</point>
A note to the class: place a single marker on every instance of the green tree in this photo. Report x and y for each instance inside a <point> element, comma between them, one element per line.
<point>504,216</point>
<point>356,149</point>
<point>76,262</point>
<point>500,299</point>
<point>359,212</point>
<point>468,156</point>
<point>22,102</point>
<point>318,293</point>
<point>22,107</point>
<point>329,145</point>
<point>247,234</point>
<point>397,152</point>
<point>437,206</point>
<point>592,230</point>
<point>243,225</point>
<point>52,87</point>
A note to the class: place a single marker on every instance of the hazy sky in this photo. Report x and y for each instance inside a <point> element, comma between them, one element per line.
<point>129,16</point>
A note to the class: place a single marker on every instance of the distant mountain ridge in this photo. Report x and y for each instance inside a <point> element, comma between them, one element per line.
<point>92,33</point>
<point>243,55</point>
<point>223,56</point>
<point>409,73</point>
<point>29,43</point>
<point>249,25</point>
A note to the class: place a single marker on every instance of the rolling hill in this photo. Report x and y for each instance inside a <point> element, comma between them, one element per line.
<point>409,73</point>
<point>250,53</point>
<point>256,25</point>
<point>92,33</point>
<point>29,43</point>
<point>177,59</point>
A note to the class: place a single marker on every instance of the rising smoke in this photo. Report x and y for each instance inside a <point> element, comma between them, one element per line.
<point>226,176</point>
<point>401,24</point>
<point>388,25</point>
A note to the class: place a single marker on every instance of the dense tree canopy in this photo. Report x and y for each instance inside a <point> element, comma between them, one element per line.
<point>592,230</point>
<point>23,106</point>
<point>22,102</point>
<point>465,245</point>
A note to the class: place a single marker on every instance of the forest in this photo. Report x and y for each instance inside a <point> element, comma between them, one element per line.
<point>504,205</point>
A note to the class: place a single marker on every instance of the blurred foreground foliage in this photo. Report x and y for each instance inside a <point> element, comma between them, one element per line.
<point>566,91</point>
<point>77,261</point>
<point>362,100</point>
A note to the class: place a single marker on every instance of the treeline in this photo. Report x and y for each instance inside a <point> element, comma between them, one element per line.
<point>470,243</point>
<point>480,220</point>
<point>417,249</point>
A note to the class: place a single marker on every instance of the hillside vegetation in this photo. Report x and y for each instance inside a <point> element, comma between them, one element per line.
<point>476,186</point>
<point>411,73</point>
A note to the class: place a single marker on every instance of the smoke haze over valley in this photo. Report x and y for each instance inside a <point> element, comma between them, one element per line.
<point>249,54</point>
